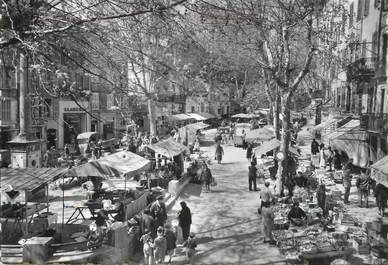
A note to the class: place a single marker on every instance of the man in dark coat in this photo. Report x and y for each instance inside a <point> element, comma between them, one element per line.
<point>314,147</point>
<point>252,175</point>
<point>184,217</point>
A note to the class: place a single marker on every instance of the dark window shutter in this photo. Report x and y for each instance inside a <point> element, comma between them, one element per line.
<point>351,11</point>
<point>366,8</point>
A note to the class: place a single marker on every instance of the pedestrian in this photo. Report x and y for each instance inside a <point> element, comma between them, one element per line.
<point>321,197</point>
<point>184,217</point>
<point>231,132</point>
<point>266,195</point>
<point>224,138</point>
<point>244,143</point>
<point>249,152</point>
<point>171,241</point>
<point>219,153</point>
<point>322,156</point>
<point>330,158</point>
<point>206,176</point>
<point>191,245</point>
<point>158,211</point>
<point>148,246</point>
<point>314,147</point>
<point>268,223</point>
<point>160,246</point>
<point>252,175</point>
<point>363,185</point>
<point>381,193</point>
<point>337,160</point>
<point>347,177</point>
<point>147,223</point>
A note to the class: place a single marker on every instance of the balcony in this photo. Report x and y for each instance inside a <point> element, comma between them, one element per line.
<point>372,122</point>
<point>361,70</point>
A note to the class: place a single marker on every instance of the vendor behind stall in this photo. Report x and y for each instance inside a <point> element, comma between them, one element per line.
<point>296,215</point>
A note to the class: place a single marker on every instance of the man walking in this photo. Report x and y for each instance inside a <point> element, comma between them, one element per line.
<point>184,217</point>
<point>314,147</point>
<point>266,195</point>
<point>252,175</point>
<point>347,178</point>
<point>362,184</point>
<point>159,212</point>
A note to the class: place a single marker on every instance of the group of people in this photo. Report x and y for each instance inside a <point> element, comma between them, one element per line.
<point>137,144</point>
<point>327,157</point>
<point>158,237</point>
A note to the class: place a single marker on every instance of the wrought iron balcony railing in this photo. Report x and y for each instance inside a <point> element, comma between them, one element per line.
<point>362,69</point>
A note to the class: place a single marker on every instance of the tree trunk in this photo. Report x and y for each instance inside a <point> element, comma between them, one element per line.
<point>151,116</point>
<point>276,112</point>
<point>285,141</point>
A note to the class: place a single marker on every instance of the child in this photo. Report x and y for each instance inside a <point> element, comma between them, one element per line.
<point>190,244</point>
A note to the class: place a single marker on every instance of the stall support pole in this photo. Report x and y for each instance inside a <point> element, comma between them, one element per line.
<point>26,210</point>
<point>125,182</point>
<point>47,198</point>
<point>63,205</point>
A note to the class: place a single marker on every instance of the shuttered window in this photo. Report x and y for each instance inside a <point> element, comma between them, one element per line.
<point>5,109</point>
<point>366,8</point>
<point>359,9</point>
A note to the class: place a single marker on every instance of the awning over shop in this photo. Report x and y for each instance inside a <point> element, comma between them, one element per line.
<point>261,134</point>
<point>180,117</point>
<point>114,165</point>
<point>380,171</point>
<point>328,123</point>
<point>169,148</point>
<point>350,139</point>
<point>28,178</point>
<point>272,145</point>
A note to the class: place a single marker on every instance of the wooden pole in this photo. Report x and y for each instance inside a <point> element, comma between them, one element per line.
<point>26,210</point>
<point>63,204</point>
<point>47,197</point>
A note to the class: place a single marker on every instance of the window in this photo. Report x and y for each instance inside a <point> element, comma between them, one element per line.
<point>5,110</point>
<point>366,8</point>
<point>359,9</point>
<point>192,109</point>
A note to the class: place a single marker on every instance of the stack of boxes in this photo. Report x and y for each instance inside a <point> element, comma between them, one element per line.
<point>377,234</point>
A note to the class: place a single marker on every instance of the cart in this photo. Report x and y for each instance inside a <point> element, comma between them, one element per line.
<point>238,140</point>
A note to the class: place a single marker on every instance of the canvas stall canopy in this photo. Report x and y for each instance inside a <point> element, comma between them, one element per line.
<point>180,117</point>
<point>261,134</point>
<point>168,148</point>
<point>380,171</point>
<point>272,145</point>
<point>123,163</point>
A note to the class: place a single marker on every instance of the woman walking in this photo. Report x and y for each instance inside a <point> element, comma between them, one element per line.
<point>219,153</point>
<point>184,217</point>
<point>322,156</point>
<point>206,176</point>
<point>249,152</point>
<point>160,246</point>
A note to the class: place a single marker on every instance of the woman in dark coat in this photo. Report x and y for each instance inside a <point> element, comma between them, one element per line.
<point>249,152</point>
<point>184,217</point>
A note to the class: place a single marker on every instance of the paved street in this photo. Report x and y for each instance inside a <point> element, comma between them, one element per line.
<point>225,220</point>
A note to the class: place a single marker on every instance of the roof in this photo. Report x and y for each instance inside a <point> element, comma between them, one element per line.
<point>265,133</point>
<point>180,117</point>
<point>380,171</point>
<point>116,165</point>
<point>86,135</point>
<point>346,128</point>
<point>28,178</point>
<point>169,147</point>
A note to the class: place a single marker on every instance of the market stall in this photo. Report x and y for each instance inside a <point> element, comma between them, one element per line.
<point>189,132</point>
<point>24,197</point>
<point>260,135</point>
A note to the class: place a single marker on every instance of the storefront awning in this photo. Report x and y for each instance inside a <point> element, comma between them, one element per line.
<point>350,139</point>
<point>180,117</point>
<point>123,163</point>
<point>168,148</point>
<point>380,171</point>
<point>261,134</point>
<point>28,178</point>
<point>323,125</point>
<point>201,116</point>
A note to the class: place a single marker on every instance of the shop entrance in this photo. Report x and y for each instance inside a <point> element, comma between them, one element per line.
<point>72,127</point>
